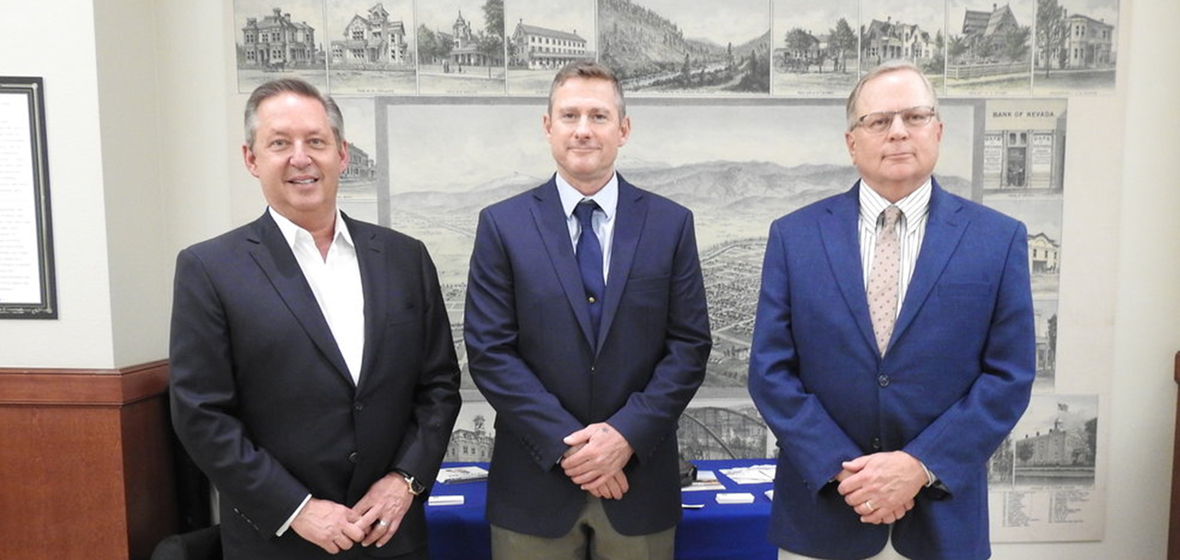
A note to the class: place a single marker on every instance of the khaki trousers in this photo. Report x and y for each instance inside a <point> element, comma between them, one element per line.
<point>592,538</point>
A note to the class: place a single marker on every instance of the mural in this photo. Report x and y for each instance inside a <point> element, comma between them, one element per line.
<point>738,114</point>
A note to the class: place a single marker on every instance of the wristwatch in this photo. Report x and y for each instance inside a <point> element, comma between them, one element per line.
<point>416,487</point>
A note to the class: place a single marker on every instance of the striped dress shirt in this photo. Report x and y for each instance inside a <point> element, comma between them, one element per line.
<point>915,209</point>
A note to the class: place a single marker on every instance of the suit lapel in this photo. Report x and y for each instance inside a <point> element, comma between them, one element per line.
<point>272,254</point>
<point>555,234</point>
<point>944,229</point>
<point>841,241</point>
<point>630,215</point>
<point>374,283</point>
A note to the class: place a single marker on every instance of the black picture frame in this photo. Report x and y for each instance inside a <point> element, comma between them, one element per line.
<point>24,193</point>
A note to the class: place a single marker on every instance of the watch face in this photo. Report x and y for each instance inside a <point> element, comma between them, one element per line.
<point>415,486</point>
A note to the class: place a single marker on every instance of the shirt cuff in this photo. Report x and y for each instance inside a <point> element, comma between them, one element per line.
<point>931,480</point>
<point>302,505</point>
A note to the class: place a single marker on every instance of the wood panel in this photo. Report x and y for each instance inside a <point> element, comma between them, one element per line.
<point>86,463</point>
<point>1174,522</point>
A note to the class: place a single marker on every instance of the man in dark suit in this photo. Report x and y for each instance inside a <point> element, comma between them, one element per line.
<point>314,377</point>
<point>587,331</point>
<point>894,346</point>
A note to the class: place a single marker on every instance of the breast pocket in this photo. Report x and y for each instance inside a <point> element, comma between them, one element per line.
<point>647,284</point>
<point>965,289</point>
<point>401,313</point>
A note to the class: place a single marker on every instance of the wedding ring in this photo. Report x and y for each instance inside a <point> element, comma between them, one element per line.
<point>382,523</point>
<point>869,504</point>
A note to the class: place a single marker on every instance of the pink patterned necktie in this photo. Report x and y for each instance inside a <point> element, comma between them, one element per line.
<point>882,291</point>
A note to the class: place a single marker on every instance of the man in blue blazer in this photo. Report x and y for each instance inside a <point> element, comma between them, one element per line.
<point>314,377</point>
<point>588,378</point>
<point>890,361</point>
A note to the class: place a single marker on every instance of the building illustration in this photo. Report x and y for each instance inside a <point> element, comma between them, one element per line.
<point>889,40</point>
<point>1088,43</point>
<point>361,166</point>
<point>1024,145</point>
<point>275,42</point>
<point>465,49</point>
<point>1043,254</point>
<point>375,40</point>
<point>540,48</point>
<point>1081,42</point>
<point>470,445</point>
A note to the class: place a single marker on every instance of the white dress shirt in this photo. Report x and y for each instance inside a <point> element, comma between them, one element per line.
<point>336,282</point>
<point>604,222</point>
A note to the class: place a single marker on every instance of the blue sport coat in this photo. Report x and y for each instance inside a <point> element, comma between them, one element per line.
<point>527,330</point>
<point>954,380</point>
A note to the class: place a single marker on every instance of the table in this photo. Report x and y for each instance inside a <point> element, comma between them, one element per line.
<point>714,532</point>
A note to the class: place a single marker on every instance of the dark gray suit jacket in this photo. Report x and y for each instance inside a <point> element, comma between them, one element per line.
<point>264,403</point>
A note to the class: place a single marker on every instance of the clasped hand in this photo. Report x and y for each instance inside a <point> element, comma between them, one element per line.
<point>595,460</point>
<point>881,487</point>
<point>374,519</point>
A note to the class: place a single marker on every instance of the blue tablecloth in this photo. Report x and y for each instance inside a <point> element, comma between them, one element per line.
<point>714,532</point>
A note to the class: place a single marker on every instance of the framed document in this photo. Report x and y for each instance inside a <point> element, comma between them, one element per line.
<point>27,283</point>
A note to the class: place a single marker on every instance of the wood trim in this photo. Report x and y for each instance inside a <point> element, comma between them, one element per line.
<point>1174,521</point>
<point>83,387</point>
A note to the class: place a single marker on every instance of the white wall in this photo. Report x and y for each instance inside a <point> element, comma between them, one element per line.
<point>129,110</point>
<point>82,336</point>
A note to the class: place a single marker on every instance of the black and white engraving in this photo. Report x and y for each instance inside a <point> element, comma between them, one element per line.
<point>275,40</point>
<point>989,47</point>
<point>371,49</point>
<point>461,47</point>
<point>1076,46</point>
<point>358,183</point>
<point>670,46</point>
<point>543,36</point>
<point>1054,444</point>
<point>723,429</point>
<point>746,175</point>
<point>815,47</point>
<point>904,29</point>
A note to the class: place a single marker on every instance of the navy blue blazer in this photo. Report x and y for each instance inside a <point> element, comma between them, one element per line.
<point>954,381</point>
<point>527,330</point>
<point>263,401</point>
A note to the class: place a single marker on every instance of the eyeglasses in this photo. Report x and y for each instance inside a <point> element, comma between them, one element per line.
<point>914,117</point>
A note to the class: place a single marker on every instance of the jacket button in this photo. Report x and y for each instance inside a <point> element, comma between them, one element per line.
<point>876,444</point>
<point>354,457</point>
<point>883,380</point>
<point>359,406</point>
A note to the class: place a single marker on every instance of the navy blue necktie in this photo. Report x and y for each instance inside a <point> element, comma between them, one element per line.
<point>590,262</point>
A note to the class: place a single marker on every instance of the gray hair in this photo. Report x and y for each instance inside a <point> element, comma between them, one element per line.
<point>298,87</point>
<point>886,67</point>
<point>590,70</point>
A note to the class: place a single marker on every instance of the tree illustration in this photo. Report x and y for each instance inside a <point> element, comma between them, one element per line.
<point>1051,33</point>
<point>1016,43</point>
<point>491,41</point>
<point>842,43</point>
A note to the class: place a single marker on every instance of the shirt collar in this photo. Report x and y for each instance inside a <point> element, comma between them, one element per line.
<point>291,231</point>
<point>607,197</point>
<point>913,207</point>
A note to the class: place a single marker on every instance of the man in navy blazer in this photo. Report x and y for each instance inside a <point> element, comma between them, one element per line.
<point>586,455</point>
<point>889,441</point>
<point>314,377</point>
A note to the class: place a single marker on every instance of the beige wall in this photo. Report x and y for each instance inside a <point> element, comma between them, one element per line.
<point>144,145</point>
